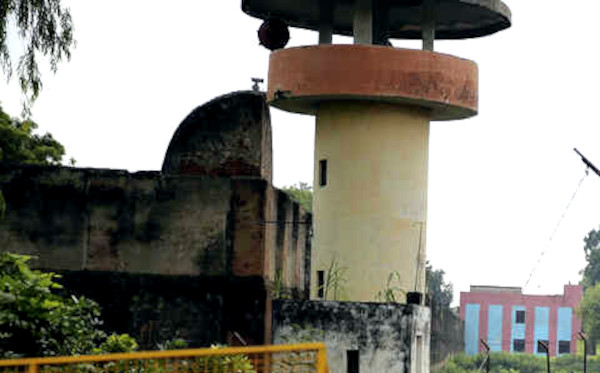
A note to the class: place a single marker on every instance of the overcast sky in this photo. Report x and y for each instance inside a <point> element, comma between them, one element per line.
<point>498,184</point>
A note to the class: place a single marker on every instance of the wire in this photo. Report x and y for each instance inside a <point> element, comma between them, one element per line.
<point>587,171</point>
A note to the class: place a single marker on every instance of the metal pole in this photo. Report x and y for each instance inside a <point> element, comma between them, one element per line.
<point>585,352</point>
<point>585,356</point>
<point>487,348</point>
<point>546,346</point>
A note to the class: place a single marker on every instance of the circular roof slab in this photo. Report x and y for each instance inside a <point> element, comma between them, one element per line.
<point>456,19</point>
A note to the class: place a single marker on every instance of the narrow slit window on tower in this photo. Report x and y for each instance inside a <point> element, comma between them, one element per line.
<point>323,172</point>
<point>352,361</point>
<point>320,284</point>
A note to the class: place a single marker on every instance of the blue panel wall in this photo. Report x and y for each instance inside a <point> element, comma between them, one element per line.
<point>472,329</point>
<point>517,331</point>
<point>494,337</point>
<point>563,327</point>
<point>541,327</point>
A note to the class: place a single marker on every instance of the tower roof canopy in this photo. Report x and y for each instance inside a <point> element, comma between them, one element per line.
<point>399,19</point>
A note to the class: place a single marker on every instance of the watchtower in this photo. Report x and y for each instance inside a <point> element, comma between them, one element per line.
<point>373,105</point>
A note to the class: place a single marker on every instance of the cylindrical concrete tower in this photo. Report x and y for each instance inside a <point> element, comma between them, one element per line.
<point>373,104</point>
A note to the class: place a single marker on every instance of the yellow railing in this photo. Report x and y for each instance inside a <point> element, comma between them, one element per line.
<point>300,358</point>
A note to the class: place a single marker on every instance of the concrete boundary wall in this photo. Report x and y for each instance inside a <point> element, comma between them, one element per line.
<point>388,337</point>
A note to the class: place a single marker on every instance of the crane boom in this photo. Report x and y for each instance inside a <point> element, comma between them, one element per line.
<point>587,162</point>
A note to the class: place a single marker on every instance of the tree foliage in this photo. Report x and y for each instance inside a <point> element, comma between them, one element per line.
<point>301,193</point>
<point>591,273</point>
<point>589,308</point>
<point>46,29</point>
<point>19,143</point>
<point>35,320</point>
<point>440,292</point>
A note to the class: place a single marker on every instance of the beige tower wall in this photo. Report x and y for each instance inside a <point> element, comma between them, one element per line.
<point>370,218</point>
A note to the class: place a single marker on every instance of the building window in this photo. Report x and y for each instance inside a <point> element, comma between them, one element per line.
<point>541,346</point>
<point>564,347</point>
<point>352,361</point>
<point>323,172</point>
<point>519,345</point>
<point>520,317</point>
<point>320,284</point>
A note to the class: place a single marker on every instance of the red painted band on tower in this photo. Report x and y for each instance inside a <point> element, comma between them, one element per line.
<point>301,78</point>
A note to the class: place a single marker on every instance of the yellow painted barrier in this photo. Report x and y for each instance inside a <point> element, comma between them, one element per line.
<point>299,358</point>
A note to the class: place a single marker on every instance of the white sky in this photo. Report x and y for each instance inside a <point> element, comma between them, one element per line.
<point>498,182</point>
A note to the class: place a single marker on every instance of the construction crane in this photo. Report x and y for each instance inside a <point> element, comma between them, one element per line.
<point>588,163</point>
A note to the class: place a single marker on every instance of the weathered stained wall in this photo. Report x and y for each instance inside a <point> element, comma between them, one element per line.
<point>112,220</point>
<point>229,136</point>
<point>217,218</point>
<point>207,231</point>
<point>156,308</point>
<point>389,337</point>
<point>108,220</point>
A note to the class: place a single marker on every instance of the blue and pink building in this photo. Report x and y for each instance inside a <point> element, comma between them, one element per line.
<point>511,321</point>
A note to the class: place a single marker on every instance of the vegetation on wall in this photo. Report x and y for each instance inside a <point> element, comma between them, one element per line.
<point>334,287</point>
<point>278,288</point>
<point>392,293</point>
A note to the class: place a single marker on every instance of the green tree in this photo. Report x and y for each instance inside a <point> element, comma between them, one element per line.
<point>301,193</point>
<point>591,273</point>
<point>440,292</point>
<point>589,308</point>
<point>19,143</point>
<point>37,321</point>
<point>46,29</point>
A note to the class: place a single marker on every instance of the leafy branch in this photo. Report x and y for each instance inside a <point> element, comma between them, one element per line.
<point>45,28</point>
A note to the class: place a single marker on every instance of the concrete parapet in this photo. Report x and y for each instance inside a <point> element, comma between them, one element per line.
<point>300,79</point>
